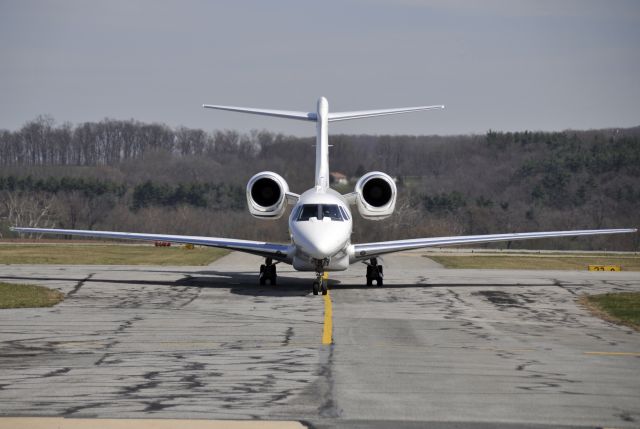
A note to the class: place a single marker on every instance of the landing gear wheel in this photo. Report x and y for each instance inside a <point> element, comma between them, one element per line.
<point>268,272</point>
<point>374,272</point>
<point>271,271</point>
<point>320,283</point>
<point>262,279</point>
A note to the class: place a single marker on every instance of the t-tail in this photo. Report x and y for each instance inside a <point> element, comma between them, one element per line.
<point>322,117</point>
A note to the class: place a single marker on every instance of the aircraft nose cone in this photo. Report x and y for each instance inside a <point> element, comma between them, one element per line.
<point>321,249</point>
<point>319,240</point>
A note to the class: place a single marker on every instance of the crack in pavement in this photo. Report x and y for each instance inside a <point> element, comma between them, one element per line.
<point>79,285</point>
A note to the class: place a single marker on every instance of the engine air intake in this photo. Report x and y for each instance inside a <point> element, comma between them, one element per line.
<point>377,192</point>
<point>266,192</point>
<point>267,195</point>
<point>376,195</point>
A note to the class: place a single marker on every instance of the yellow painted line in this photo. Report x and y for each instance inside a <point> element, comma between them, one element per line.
<point>62,423</point>
<point>327,334</point>
<point>613,353</point>
<point>327,331</point>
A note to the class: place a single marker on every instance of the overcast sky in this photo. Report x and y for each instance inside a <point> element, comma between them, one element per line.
<point>502,65</point>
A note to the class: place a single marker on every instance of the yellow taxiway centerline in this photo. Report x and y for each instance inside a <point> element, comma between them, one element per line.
<point>327,331</point>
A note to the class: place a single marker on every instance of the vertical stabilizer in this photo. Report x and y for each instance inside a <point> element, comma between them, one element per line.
<point>322,144</point>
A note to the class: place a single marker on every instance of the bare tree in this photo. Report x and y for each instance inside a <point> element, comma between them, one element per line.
<point>32,210</point>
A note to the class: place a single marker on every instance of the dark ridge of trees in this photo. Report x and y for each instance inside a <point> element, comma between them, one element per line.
<point>128,175</point>
<point>89,186</point>
<point>216,195</point>
<point>445,202</point>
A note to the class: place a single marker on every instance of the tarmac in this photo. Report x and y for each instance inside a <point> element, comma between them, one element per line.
<point>433,347</point>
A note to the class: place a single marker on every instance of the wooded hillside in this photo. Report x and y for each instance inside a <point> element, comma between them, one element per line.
<point>131,176</point>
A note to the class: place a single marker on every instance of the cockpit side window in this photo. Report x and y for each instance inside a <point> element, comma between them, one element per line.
<point>298,211</point>
<point>345,215</point>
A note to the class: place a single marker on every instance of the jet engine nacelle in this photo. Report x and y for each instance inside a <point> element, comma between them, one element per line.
<point>376,195</point>
<point>267,195</point>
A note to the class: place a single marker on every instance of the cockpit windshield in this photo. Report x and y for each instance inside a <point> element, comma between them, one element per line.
<point>319,211</point>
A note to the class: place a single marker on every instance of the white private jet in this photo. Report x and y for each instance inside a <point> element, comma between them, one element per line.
<point>320,223</point>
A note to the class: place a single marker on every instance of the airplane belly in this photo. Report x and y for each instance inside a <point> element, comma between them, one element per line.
<point>339,262</point>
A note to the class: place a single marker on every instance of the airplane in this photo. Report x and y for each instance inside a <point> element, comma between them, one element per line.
<point>321,220</point>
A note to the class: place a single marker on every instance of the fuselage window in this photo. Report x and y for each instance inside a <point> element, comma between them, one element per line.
<point>319,211</point>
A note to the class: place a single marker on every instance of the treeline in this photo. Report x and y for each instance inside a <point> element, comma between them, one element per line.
<point>126,175</point>
<point>109,142</point>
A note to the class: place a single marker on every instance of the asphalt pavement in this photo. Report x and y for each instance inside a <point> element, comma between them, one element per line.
<point>433,347</point>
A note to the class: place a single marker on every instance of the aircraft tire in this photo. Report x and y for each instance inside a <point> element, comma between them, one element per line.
<point>272,274</point>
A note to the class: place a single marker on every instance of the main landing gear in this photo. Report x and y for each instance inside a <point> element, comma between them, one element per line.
<point>374,272</point>
<point>268,272</point>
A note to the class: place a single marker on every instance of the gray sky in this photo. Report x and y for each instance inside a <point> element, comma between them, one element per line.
<point>497,64</point>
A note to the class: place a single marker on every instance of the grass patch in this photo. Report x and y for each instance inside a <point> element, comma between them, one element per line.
<point>621,308</point>
<point>106,254</point>
<point>542,262</point>
<point>28,296</point>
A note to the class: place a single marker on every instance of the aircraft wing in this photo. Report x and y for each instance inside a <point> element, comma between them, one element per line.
<point>370,250</point>
<point>278,252</point>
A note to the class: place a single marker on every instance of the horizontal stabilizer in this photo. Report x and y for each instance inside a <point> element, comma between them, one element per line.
<point>312,116</point>
<point>343,116</point>
<point>302,116</point>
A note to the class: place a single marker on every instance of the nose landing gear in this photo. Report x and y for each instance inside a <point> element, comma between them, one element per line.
<point>374,272</point>
<point>268,272</point>
<point>320,284</point>
<point>322,279</point>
